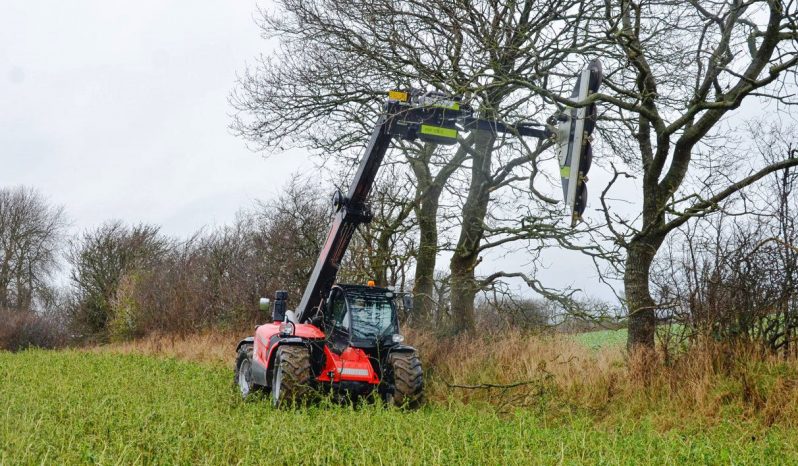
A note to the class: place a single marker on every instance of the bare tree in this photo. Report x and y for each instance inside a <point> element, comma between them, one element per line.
<point>677,69</point>
<point>290,232</point>
<point>734,277</point>
<point>324,90</point>
<point>384,249</point>
<point>30,233</point>
<point>785,235</point>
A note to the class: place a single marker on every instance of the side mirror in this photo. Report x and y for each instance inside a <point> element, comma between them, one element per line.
<point>407,302</point>
<point>264,304</point>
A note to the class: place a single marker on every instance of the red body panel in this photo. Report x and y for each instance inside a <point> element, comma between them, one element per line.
<point>352,365</point>
<point>264,347</point>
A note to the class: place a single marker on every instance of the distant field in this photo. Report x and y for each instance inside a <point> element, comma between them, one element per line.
<point>602,338</point>
<point>79,407</point>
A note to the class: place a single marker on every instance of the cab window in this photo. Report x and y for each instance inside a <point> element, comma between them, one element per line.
<point>339,314</point>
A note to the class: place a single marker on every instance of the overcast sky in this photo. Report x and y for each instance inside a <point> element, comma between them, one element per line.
<point>119,110</point>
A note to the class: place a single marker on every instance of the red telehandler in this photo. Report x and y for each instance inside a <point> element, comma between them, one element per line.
<point>345,338</point>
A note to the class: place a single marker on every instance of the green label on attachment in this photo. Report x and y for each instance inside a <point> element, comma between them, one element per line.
<point>438,131</point>
<point>448,105</point>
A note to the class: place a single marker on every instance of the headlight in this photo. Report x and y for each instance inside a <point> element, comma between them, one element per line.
<point>396,338</point>
<point>286,328</point>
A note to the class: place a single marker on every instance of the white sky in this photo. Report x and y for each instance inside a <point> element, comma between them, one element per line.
<point>119,110</point>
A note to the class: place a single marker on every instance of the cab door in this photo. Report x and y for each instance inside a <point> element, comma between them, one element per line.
<point>338,322</point>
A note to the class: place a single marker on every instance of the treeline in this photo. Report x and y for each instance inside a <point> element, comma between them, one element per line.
<point>124,280</point>
<point>726,277</point>
<point>120,281</point>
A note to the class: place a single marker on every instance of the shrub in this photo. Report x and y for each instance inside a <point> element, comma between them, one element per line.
<point>25,329</point>
<point>99,259</point>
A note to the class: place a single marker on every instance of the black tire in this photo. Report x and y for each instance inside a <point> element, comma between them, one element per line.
<point>291,376</point>
<point>242,378</point>
<point>405,373</point>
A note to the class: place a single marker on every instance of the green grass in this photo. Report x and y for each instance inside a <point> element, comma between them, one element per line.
<point>74,407</point>
<point>599,339</point>
<point>602,338</point>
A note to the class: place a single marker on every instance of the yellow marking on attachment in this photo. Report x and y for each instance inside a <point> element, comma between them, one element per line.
<point>398,95</point>
<point>565,172</point>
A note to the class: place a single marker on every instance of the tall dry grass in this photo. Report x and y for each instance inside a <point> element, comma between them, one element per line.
<point>558,376</point>
<point>215,348</point>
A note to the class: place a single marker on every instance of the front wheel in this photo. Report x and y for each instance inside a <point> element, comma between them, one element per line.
<point>291,376</point>
<point>405,374</point>
<point>243,372</point>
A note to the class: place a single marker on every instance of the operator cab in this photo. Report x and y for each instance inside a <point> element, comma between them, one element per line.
<point>360,316</point>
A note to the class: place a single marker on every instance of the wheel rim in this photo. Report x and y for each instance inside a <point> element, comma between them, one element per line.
<point>277,382</point>
<point>243,378</point>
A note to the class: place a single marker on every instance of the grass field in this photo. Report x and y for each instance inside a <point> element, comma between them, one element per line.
<point>81,407</point>
<point>602,338</point>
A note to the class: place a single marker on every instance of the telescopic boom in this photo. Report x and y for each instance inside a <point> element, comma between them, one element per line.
<point>429,117</point>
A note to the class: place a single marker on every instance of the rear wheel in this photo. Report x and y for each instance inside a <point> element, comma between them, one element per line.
<point>404,371</point>
<point>291,375</point>
<point>243,372</point>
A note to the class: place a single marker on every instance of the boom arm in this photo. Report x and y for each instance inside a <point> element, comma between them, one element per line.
<point>352,211</point>
<point>434,118</point>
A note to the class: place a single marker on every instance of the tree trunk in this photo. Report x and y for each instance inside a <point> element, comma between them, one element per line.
<point>5,281</point>
<point>382,256</point>
<point>464,260</point>
<point>642,309</point>
<point>429,191</point>
<point>463,292</point>
<point>423,289</point>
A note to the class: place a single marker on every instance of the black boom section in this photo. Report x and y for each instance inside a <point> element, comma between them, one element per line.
<point>352,211</point>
